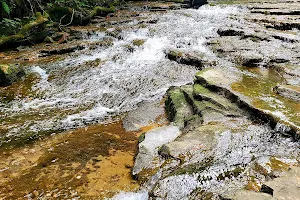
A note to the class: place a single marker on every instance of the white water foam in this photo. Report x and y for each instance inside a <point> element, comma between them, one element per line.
<point>131,196</point>
<point>78,94</point>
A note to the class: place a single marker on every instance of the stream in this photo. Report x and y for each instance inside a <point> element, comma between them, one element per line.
<point>78,96</point>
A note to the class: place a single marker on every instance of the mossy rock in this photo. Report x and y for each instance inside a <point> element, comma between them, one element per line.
<point>141,138</point>
<point>34,31</point>
<point>177,107</point>
<point>32,26</point>
<point>187,58</point>
<point>10,73</point>
<point>164,151</point>
<point>10,39</point>
<point>138,42</point>
<point>102,11</point>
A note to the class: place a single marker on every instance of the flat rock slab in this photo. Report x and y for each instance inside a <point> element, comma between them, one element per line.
<point>148,148</point>
<point>146,113</point>
<point>254,90</point>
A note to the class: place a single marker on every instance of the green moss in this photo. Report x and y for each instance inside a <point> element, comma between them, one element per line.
<point>175,53</point>
<point>34,31</point>
<point>177,106</point>
<point>141,138</point>
<point>193,168</point>
<point>164,151</point>
<point>146,174</point>
<point>199,89</point>
<point>259,88</point>
<point>10,73</point>
<point>40,21</point>
<point>229,174</point>
<point>102,11</point>
<point>138,42</point>
<point>10,39</point>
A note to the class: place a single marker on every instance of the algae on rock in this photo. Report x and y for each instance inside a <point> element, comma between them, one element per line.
<point>10,73</point>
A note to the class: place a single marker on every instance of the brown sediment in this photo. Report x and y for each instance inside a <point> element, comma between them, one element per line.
<point>91,162</point>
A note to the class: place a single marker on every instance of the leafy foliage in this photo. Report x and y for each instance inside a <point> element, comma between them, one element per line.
<point>5,7</point>
<point>10,26</point>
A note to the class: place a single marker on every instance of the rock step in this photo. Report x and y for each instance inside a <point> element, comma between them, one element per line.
<point>279,12</point>
<point>205,102</point>
<point>177,107</point>
<point>202,93</point>
<point>190,104</point>
<point>210,79</point>
<point>63,50</point>
<point>289,91</point>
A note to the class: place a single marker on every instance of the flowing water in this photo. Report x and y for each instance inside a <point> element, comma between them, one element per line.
<point>71,93</point>
<point>97,84</point>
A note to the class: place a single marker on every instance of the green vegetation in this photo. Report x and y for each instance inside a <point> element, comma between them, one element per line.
<point>138,42</point>
<point>15,13</point>
<point>27,21</point>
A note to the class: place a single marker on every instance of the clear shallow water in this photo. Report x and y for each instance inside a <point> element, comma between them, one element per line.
<point>71,93</point>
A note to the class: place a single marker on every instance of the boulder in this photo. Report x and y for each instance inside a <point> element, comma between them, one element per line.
<point>34,31</point>
<point>10,73</point>
<point>177,107</point>
<point>198,3</point>
<point>188,58</point>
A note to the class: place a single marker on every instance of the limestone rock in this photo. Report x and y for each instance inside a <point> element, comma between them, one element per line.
<point>148,148</point>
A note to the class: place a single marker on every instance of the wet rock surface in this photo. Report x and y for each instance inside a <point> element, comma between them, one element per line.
<point>220,147</point>
<point>292,92</point>
<point>234,124</point>
<point>240,109</point>
<point>190,58</point>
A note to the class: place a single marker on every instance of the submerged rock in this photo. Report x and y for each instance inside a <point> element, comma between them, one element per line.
<point>10,73</point>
